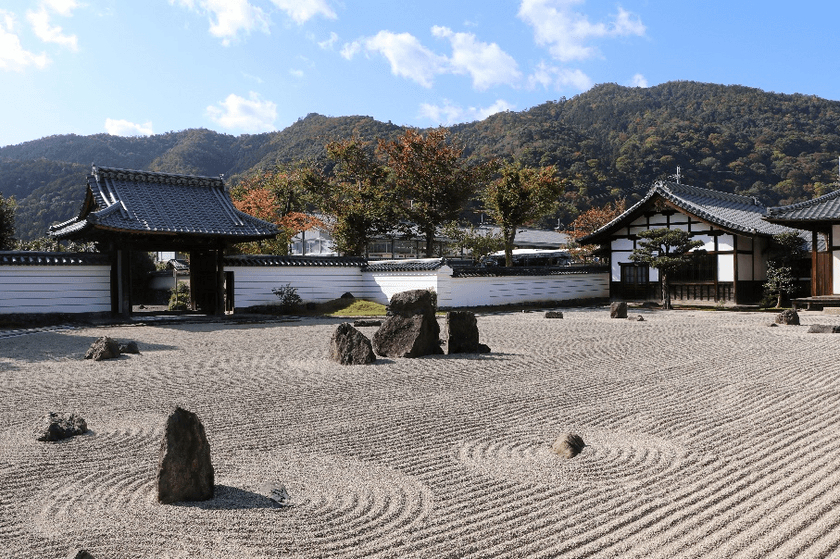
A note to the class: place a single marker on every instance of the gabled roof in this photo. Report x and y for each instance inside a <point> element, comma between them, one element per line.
<point>160,204</point>
<point>730,212</point>
<point>822,210</point>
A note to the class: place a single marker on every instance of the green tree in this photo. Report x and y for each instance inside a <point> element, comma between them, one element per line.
<point>432,178</point>
<point>7,222</point>
<point>479,242</point>
<point>520,196</point>
<point>356,194</point>
<point>785,249</point>
<point>666,250</point>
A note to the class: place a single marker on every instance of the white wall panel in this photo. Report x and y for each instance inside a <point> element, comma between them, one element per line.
<point>55,289</point>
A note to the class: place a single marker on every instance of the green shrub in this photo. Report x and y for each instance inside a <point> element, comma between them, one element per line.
<point>289,298</point>
<point>179,298</point>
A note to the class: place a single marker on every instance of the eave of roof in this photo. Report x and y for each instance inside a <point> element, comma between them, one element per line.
<point>31,258</point>
<point>272,260</point>
<point>819,211</point>
<point>407,265</point>
<point>731,212</point>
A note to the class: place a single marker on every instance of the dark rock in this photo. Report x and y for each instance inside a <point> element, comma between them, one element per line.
<point>618,309</point>
<point>772,325</point>
<point>789,317</point>
<point>348,346</point>
<point>568,446</point>
<point>365,323</point>
<point>416,301</point>
<point>57,426</point>
<point>129,347</point>
<point>637,318</point>
<point>347,295</point>
<point>103,348</point>
<point>461,333</point>
<point>823,329</point>
<point>185,472</point>
<point>411,336</point>
<point>79,554</point>
<point>411,329</point>
<point>554,314</point>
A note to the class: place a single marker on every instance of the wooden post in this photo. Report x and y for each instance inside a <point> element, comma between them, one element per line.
<point>220,281</point>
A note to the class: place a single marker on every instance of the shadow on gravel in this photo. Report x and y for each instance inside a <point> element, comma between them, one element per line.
<point>231,498</point>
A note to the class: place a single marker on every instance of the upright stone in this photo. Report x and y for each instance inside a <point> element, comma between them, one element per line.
<point>103,348</point>
<point>618,309</point>
<point>461,333</point>
<point>789,317</point>
<point>411,329</point>
<point>185,472</point>
<point>348,346</point>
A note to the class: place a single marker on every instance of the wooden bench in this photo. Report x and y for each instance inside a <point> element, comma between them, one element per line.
<point>816,303</point>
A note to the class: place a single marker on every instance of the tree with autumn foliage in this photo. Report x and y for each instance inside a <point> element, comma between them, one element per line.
<point>432,178</point>
<point>520,196</point>
<point>276,196</point>
<point>589,221</point>
<point>356,193</point>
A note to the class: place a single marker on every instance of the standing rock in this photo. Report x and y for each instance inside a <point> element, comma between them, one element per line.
<point>185,472</point>
<point>411,329</point>
<point>618,309</point>
<point>103,348</point>
<point>461,333</point>
<point>57,426</point>
<point>348,346</point>
<point>568,446</point>
<point>789,317</point>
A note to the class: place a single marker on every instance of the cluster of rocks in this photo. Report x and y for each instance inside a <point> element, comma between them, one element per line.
<point>411,329</point>
<point>108,348</point>
<point>790,317</point>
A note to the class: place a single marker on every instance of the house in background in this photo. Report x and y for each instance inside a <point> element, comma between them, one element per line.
<point>731,266</point>
<point>820,216</point>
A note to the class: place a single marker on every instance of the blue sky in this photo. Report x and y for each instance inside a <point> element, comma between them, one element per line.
<point>249,66</point>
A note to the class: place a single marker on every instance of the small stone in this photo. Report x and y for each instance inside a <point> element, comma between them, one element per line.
<point>79,554</point>
<point>569,445</point>
<point>57,426</point>
<point>823,329</point>
<point>129,347</point>
<point>277,493</point>
<point>789,317</point>
<point>618,309</point>
<point>185,472</point>
<point>103,348</point>
<point>637,318</point>
<point>554,314</point>
<point>348,346</point>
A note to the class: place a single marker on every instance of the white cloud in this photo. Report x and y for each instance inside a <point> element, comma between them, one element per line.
<point>61,7</point>
<point>449,113</point>
<point>487,63</point>
<point>329,43</point>
<point>558,78</point>
<point>639,81</point>
<point>349,50</point>
<point>40,22</point>
<point>296,73</point>
<point>407,56</point>
<point>228,17</point>
<point>303,10</point>
<point>13,57</point>
<point>126,128</point>
<point>567,32</point>
<point>248,115</point>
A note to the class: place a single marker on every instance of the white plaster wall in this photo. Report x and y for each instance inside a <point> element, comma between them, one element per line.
<point>726,267</point>
<point>55,289</point>
<point>253,284</point>
<point>621,244</point>
<point>835,272</point>
<point>494,291</point>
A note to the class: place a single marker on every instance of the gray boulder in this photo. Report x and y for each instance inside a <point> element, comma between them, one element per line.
<point>618,309</point>
<point>637,318</point>
<point>56,426</point>
<point>823,329</point>
<point>348,346</point>
<point>103,348</point>
<point>568,446</point>
<point>129,347</point>
<point>461,333</point>
<point>554,314</point>
<point>411,329</point>
<point>408,336</point>
<point>789,317</point>
<point>185,472</point>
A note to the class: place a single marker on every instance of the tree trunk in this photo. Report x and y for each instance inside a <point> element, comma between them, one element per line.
<point>666,293</point>
<point>509,236</point>
<point>430,243</point>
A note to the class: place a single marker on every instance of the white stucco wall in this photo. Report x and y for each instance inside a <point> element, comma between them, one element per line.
<point>55,289</point>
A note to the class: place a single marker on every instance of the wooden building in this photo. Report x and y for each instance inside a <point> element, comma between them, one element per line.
<point>729,268</point>
<point>820,216</point>
<point>126,210</point>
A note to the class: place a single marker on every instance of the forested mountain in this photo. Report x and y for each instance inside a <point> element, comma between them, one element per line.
<point>610,142</point>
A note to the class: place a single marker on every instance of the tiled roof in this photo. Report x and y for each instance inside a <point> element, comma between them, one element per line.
<point>501,271</point>
<point>733,212</point>
<point>26,258</point>
<point>824,208</point>
<point>145,202</point>
<point>270,260</point>
<point>407,265</point>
